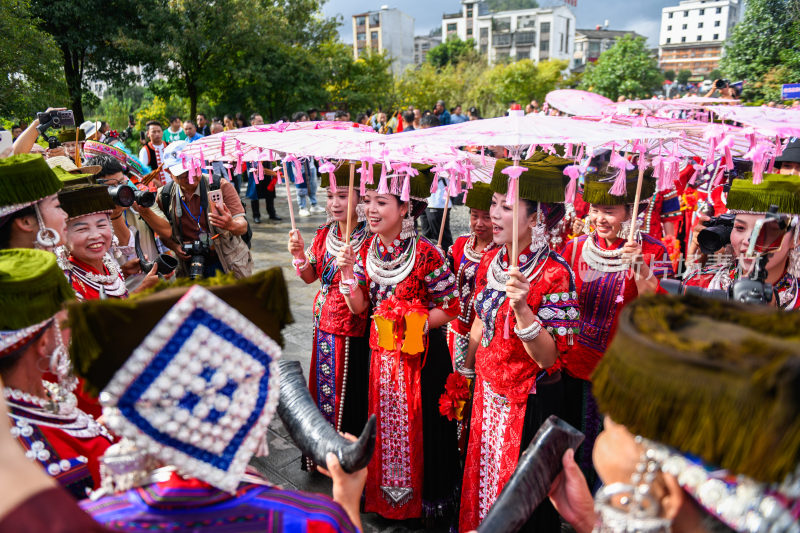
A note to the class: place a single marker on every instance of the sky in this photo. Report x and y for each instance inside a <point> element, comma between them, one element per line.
<point>642,16</point>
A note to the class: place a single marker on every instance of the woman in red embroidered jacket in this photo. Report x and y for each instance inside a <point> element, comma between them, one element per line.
<point>463,257</point>
<point>525,319</point>
<point>606,280</point>
<point>339,357</point>
<point>85,259</point>
<point>414,471</point>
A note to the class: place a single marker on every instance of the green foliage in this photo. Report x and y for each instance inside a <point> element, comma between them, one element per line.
<point>764,48</point>
<point>453,51</point>
<point>506,5</point>
<point>32,78</point>
<point>683,76</point>
<point>669,75</point>
<point>715,74</point>
<point>358,85</point>
<point>91,36</point>
<point>624,69</point>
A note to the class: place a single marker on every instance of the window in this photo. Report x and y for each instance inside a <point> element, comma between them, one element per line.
<point>375,19</point>
<point>545,27</point>
<point>502,24</point>
<point>484,48</point>
<point>702,11</point>
<point>719,10</point>
<point>469,12</point>
<point>544,45</point>
<point>716,24</point>
<point>699,37</point>
<point>685,13</point>
<point>699,24</point>
<point>469,31</point>
<point>561,43</point>
<point>525,37</point>
<point>669,28</point>
<point>683,39</point>
<point>452,27</point>
<point>684,26</point>
<point>361,36</point>
<point>670,15</point>
<point>360,21</point>
<point>484,33</point>
<point>525,22</point>
<point>523,53</point>
<point>669,40</point>
<point>716,36</point>
<point>503,39</point>
<point>373,35</point>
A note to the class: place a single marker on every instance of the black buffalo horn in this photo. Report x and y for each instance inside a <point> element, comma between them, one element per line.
<point>311,432</point>
<point>531,480</point>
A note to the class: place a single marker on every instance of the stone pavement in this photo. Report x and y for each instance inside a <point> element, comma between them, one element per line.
<point>282,465</point>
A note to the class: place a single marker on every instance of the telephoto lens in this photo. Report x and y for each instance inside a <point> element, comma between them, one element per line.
<point>145,198</point>
<point>124,195</point>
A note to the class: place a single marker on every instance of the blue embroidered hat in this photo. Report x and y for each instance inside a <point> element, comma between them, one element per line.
<point>197,389</point>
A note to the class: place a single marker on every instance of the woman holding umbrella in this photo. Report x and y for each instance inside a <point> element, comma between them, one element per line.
<point>339,359</point>
<point>525,320</point>
<point>412,294</point>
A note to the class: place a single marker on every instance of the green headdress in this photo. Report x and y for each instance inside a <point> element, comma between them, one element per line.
<point>86,200</point>
<point>70,179</point>
<point>542,181</point>
<point>32,289</point>
<point>106,332</point>
<point>342,174</point>
<point>25,179</point>
<point>597,185</point>
<point>65,136</point>
<point>479,197</point>
<point>775,189</point>
<point>710,378</point>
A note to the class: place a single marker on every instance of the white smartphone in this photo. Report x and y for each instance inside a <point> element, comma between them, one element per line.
<point>5,143</point>
<point>215,196</point>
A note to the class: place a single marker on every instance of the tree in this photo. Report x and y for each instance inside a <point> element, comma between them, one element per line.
<point>32,80</point>
<point>764,42</point>
<point>715,74</point>
<point>683,76</point>
<point>91,36</point>
<point>358,84</point>
<point>624,69</point>
<point>669,75</point>
<point>506,5</point>
<point>452,51</point>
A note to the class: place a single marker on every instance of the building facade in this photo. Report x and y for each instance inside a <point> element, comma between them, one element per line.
<point>693,34</point>
<point>422,44</point>
<point>589,44</point>
<point>539,34</point>
<point>386,30</point>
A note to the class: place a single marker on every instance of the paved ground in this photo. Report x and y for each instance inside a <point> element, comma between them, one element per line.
<point>282,466</point>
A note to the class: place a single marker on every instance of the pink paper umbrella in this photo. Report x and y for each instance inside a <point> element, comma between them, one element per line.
<point>765,120</point>
<point>575,102</point>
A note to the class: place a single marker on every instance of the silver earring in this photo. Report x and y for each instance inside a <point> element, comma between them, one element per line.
<point>361,212</point>
<point>624,230</point>
<point>407,229</point>
<point>538,232</point>
<point>46,238</point>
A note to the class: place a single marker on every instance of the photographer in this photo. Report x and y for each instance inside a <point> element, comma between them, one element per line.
<point>206,235</point>
<point>776,241</point>
<point>726,92</point>
<point>25,142</point>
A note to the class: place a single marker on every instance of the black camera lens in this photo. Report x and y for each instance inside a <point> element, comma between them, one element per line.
<point>123,195</point>
<point>145,198</point>
<point>712,239</point>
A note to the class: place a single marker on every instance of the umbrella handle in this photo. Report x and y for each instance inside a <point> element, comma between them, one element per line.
<point>444,219</point>
<point>350,202</point>
<point>288,199</point>
<point>635,213</point>
<point>514,214</point>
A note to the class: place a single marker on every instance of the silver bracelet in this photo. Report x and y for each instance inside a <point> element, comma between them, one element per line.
<point>468,373</point>
<point>345,288</point>
<point>529,333</point>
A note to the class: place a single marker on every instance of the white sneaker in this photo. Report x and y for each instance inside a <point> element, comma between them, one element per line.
<point>304,213</point>
<point>317,209</point>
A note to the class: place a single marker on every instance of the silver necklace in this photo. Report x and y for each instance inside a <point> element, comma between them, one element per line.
<point>470,252</point>
<point>497,274</point>
<point>333,244</point>
<point>113,268</point>
<point>392,272</point>
<point>602,260</point>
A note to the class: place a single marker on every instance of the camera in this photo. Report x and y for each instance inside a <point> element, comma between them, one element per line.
<point>717,233</point>
<point>722,84</point>
<point>125,196</point>
<point>54,119</point>
<point>198,251</point>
